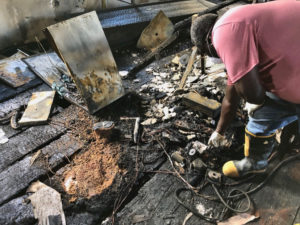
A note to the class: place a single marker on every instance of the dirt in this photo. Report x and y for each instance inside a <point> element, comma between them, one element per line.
<point>95,169</point>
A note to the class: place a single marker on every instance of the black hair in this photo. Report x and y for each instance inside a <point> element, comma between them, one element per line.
<point>200,33</point>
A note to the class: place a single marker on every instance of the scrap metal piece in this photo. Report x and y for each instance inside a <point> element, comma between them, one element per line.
<point>82,45</point>
<point>196,101</point>
<point>49,68</point>
<point>14,72</point>
<point>38,108</point>
<point>214,176</point>
<point>160,29</point>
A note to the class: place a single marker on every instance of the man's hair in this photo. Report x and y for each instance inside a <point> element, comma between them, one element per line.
<point>200,28</point>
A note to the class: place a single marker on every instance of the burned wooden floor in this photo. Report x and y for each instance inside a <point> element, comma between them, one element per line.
<point>48,152</point>
<point>276,203</point>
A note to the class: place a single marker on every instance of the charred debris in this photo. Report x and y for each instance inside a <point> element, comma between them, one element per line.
<point>88,127</point>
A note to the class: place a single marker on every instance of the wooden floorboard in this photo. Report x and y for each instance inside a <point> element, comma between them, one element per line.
<point>17,177</point>
<point>156,204</point>
<point>33,138</point>
<point>7,92</point>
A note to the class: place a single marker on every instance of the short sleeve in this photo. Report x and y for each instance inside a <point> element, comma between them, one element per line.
<point>236,45</point>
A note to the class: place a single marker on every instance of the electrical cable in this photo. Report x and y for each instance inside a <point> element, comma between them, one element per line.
<point>230,196</point>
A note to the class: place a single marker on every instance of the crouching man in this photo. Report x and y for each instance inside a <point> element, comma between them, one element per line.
<point>260,47</point>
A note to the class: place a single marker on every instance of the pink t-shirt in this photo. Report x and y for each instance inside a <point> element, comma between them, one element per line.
<point>267,35</point>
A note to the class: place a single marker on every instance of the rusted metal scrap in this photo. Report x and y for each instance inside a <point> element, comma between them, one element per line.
<point>82,45</point>
<point>14,72</point>
<point>160,29</point>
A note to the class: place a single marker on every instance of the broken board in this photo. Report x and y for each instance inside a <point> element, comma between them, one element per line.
<point>196,101</point>
<point>48,66</point>
<point>38,108</point>
<point>14,72</point>
<point>82,45</point>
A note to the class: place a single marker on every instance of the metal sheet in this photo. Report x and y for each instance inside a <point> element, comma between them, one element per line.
<point>160,29</point>
<point>38,108</point>
<point>14,72</point>
<point>82,45</point>
<point>47,67</point>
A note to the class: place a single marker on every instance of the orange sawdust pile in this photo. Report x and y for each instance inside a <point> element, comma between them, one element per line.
<point>95,169</point>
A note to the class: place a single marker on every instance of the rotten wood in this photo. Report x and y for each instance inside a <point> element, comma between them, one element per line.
<point>33,138</point>
<point>17,177</point>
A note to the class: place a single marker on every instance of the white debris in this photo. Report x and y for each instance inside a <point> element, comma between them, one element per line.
<point>201,209</point>
<point>190,137</point>
<point>175,60</point>
<point>176,77</point>
<point>164,75</point>
<point>149,70</point>
<point>149,121</point>
<point>168,114</point>
<point>3,138</point>
<point>192,79</point>
<point>123,74</point>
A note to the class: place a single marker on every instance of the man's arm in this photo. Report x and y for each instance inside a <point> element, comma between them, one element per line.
<point>228,110</point>
<point>250,88</point>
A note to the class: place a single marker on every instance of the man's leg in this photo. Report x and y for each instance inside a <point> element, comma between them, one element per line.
<point>259,136</point>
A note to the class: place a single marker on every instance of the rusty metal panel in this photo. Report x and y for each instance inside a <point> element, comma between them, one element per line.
<point>49,68</point>
<point>160,29</point>
<point>82,45</point>
<point>14,72</point>
<point>38,108</point>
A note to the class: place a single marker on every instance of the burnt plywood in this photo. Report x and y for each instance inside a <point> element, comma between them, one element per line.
<point>82,45</point>
<point>46,66</point>
<point>49,67</point>
<point>14,72</point>
<point>38,108</point>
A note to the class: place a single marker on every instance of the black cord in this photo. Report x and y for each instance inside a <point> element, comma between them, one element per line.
<point>230,196</point>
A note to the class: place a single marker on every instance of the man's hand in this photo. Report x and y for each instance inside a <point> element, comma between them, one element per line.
<point>251,108</point>
<point>218,140</point>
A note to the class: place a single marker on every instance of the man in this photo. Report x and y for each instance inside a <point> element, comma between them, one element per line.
<point>260,47</point>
